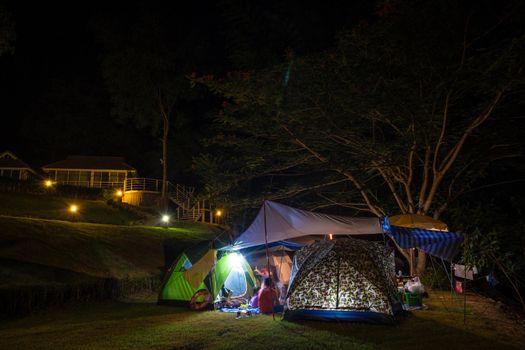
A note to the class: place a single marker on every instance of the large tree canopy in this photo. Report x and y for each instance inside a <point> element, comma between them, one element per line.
<point>7,30</point>
<point>402,116</point>
<point>146,58</point>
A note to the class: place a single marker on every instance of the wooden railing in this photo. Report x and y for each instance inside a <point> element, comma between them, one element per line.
<point>187,207</point>
<point>142,184</point>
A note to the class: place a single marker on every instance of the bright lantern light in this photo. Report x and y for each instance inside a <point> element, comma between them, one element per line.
<point>73,208</point>
<point>236,260</point>
<point>49,183</point>
<point>119,193</point>
<point>218,212</point>
<point>331,236</point>
<point>165,218</point>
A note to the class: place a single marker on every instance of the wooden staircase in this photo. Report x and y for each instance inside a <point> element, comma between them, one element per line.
<point>188,209</point>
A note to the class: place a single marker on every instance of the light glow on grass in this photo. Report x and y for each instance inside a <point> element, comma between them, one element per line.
<point>114,325</point>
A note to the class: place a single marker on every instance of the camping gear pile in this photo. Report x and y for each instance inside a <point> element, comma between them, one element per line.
<point>411,293</point>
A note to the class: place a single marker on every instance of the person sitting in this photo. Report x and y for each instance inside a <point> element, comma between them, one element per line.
<point>254,301</point>
<point>268,297</point>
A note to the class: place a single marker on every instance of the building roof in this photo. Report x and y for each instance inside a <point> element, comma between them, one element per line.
<point>90,162</point>
<point>9,160</point>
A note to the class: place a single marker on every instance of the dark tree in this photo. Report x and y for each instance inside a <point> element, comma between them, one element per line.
<point>7,31</point>
<point>400,117</point>
<point>144,75</point>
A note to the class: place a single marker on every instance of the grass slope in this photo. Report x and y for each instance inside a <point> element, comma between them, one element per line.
<point>46,206</point>
<point>113,325</point>
<point>30,247</point>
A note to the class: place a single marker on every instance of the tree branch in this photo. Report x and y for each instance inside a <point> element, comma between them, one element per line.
<point>366,196</point>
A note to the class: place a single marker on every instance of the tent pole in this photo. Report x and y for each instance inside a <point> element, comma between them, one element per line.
<point>267,252</point>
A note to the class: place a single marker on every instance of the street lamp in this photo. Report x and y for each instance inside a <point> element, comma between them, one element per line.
<point>165,219</point>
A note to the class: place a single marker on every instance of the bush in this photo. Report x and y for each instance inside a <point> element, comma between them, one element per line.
<point>435,277</point>
<point>79,192</point>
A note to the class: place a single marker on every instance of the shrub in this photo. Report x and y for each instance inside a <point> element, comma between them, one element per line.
<point>79,192</point>
<point>435,277</point>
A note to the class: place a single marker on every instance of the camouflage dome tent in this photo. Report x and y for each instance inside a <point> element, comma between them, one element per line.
<point>344,279</point>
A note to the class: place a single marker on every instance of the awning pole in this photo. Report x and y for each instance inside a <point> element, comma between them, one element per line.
<point>411,250</point>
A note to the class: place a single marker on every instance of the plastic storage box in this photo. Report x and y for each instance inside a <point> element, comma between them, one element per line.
<point>413,299</point>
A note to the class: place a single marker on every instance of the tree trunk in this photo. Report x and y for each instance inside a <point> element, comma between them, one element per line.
<point>420,263</point>
<point>164,190</point>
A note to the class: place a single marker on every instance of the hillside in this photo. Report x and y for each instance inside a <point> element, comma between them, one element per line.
<point>92,250</point>
<point>45,259</point>
<point>46,206</point>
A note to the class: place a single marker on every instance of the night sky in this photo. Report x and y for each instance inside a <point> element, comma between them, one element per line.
<point>55,101</point>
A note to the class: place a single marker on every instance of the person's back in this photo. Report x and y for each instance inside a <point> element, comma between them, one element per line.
<point>268,298</point>
<point>254,301</point>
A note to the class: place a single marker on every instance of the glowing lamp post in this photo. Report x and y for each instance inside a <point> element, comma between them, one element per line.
<point>118,195</point>
<point>73,208</point>
<point>165,220</point>
<point>48,183</point>
<point>218,214</point>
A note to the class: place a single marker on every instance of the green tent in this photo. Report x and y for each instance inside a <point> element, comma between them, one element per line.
<point>208,270</point>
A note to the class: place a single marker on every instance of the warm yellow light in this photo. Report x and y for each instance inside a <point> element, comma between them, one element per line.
<point>331,236</point>
<point>49,183</point>
<point>218,212</point>
<point>73,208</point>
<point>166,218</point>
<point>119,193</point>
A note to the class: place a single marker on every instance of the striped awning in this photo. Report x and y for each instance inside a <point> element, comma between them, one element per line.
<point>443,244</point>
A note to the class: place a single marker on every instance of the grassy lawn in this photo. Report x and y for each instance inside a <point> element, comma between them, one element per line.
<point>35,251</point>
<point>52,207</point>
<point>95,250</point>
<point>113,325</point>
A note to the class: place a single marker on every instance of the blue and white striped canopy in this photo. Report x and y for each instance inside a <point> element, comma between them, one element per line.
<point>443,244</point>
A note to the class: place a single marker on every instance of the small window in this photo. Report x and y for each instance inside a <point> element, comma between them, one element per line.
<point>84,178</point>
<point>15,174</point>
<point>73,177</point>
<point>62,176</point>
<point>113,177</point>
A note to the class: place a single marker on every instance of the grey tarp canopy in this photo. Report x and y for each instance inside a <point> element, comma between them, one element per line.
<point>284,223</point>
